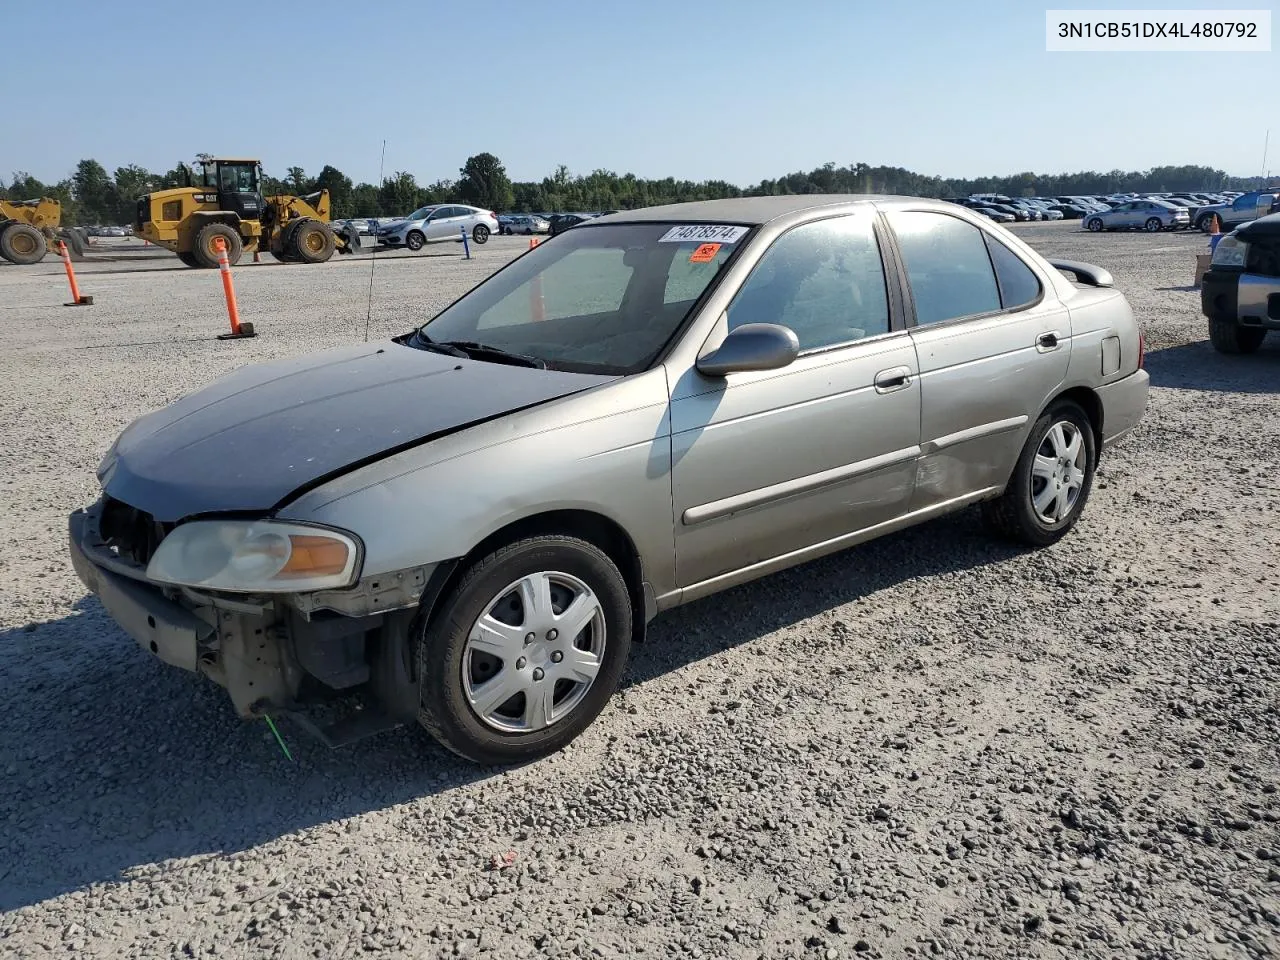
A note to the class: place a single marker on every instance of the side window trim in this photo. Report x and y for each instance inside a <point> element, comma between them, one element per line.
<point>909,307</point>
<point>989,238</point>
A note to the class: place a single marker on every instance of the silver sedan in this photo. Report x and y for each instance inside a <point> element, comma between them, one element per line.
<point>470,524</point>
<point>1150,215</point>
<point>442,222</point>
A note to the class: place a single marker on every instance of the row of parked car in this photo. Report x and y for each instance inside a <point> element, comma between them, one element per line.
<point>551,223</point>
<point>1147,211</point>
<point>110,231</point>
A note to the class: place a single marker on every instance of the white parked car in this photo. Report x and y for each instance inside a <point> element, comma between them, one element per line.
<point>441,221</point>
<point>526,224</point>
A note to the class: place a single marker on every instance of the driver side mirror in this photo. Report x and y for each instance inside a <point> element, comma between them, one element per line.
<point>752,346</point>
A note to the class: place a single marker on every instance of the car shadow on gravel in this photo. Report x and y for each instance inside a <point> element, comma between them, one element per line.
<point>112,761</point>
<point>742,614</point>
<point>1197,366</point>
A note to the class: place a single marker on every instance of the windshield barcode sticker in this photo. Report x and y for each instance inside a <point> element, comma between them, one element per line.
<point>703,233</point>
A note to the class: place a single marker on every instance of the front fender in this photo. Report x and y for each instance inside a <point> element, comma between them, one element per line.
<point>607,451</point>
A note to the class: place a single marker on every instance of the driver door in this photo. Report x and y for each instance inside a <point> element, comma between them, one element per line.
<point>441,224</point>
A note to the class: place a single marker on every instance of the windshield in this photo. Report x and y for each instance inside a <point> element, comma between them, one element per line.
<point>596,299</point>
<point>422,213</point>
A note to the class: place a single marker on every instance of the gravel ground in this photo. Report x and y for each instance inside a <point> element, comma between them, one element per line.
<point>930,745</point>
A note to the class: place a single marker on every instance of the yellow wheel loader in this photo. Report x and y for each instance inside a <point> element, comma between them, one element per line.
<point>223,198</point>
<point>31,228</point>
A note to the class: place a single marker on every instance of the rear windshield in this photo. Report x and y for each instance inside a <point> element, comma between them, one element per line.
<point>601,298</point>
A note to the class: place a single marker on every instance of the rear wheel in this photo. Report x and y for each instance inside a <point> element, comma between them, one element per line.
<point>1205,224</point>
<point>22,243</point>
<point>1051,481</point>
<point>1153,225</point>
<point>1229,337</point>
<point>480,234</point>
<point>313,242</point>
<point>526,651</point>
<point>1095,225</point>
<point>206,248</point>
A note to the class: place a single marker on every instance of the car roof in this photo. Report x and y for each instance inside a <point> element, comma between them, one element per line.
<point>752,210</point>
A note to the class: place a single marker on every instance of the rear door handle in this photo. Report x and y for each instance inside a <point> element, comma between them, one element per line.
<point>1048,341</point>
<point>895,378</point>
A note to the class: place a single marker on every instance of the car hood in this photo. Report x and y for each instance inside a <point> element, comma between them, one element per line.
<point>1268,226</point>
<point>252,440</point>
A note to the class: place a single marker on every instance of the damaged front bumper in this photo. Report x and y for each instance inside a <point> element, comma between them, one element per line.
<point>273,655</point>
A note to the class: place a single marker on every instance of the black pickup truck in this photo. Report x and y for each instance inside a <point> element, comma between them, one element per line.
<point>1240,292</point>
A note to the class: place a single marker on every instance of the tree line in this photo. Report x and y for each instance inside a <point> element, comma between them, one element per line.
<point>92,195</point>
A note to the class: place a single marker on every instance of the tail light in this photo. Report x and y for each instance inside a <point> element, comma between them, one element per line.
<point>1142,349</point>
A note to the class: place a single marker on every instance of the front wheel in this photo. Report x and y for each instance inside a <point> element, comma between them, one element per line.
<point>1153,225</point>
<point>480,234</point>
<point>526,651</point>
<point>1095,225</point>
<point>1051,481</point>
<point>415,240</point>
<point>1229,337</point>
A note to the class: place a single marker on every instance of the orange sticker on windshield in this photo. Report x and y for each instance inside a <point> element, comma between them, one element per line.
<point>705,253</point>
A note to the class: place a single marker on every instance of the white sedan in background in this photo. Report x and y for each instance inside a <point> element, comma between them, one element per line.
<point>441,221</point>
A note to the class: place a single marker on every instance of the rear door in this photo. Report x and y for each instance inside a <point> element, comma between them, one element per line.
<point>992,348</point>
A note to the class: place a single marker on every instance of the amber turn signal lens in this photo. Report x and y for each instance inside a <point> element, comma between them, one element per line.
<point>314,557</point>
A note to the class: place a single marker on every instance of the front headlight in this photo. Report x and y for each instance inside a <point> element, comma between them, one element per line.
<point>1230,252</point>
<point>256,556</point>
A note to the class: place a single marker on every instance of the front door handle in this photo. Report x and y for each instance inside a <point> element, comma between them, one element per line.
<point>1048,341</point>
<point>895,378</point>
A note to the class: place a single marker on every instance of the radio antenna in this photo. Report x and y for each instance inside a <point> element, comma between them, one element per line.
<point>373,259</point>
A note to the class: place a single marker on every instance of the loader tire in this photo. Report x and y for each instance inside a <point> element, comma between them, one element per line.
<point>313,242</point>
<point>206,252</point>
<point>22,243</point>
<point>189,259</point>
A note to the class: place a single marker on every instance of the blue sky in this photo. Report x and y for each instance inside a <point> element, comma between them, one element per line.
<point>694,89</point>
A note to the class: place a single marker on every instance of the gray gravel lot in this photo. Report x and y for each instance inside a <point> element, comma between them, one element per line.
<point>929,745</point>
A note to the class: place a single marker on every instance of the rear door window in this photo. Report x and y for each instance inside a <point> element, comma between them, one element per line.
<point>947,264</point>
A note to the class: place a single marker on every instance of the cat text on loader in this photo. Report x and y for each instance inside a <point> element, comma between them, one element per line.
<point>31,228</point>
<point>223,198</point>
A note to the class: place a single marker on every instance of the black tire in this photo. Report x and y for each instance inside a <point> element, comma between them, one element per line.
<point>507,232</point>
<point>444,709</point>
<point>480,233</point>
<point>312,242</point>
<point>22,243</point>
<point>283,256</point>
<point>1153,225</point>
<point>1205,224</point>
<point>415,240</point>
<point>1228,336</point>
<point>1095,225</point>
<point>189,259</point>
<point>1013,515</point>
<point>205,251</point>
